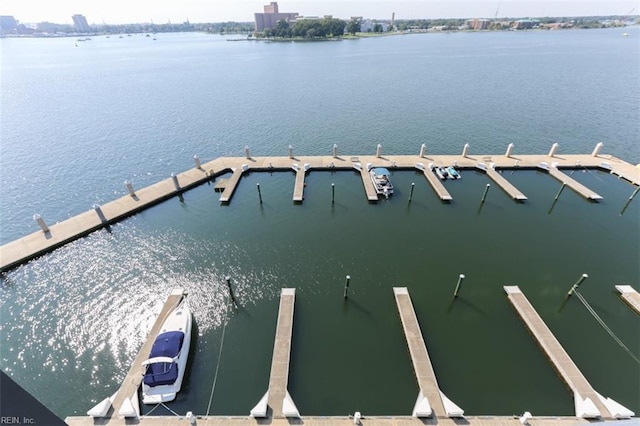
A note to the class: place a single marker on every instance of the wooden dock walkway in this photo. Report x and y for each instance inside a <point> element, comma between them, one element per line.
<point>38,243</point>
<point>431,400</point>
<point>298,190</point>
<point>588,403</point>
<point>370,190</point>
<point>277,397</point>
<point>631,296</point>
<point>435,183</point>
<point>230,185</point>
<point>573,184</point>
<point>506,186</point>
<point>128,391</point>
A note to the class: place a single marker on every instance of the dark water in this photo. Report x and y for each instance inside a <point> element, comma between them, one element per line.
<point>73,320</point>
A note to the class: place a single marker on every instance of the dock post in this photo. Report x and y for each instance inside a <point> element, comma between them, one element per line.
<point>246,152</point>
<point>335,150</point>
<point>346,285</point>
<point>233,298</point>
<point>130,188</point>
<point>379,150</point>
<point>596,150</point>
<point>259,193</point>
<point>413,185</point>
<point>553,149</point>
<point>98,210</point>
<point>175,180</point>
<point>333,193</point>
<point>423,150</point>
<point>560,191</point>
<point>629,200</point>
<point>196,160</point>
<point>575,286</point>
<point>484,196</point>
<point>509,150</point>
<point>465,150</point>
<point>290,151</point>
<point>41,222</point>
<point>460,278</point>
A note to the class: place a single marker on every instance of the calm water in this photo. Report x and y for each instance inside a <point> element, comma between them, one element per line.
<point>77,121</point>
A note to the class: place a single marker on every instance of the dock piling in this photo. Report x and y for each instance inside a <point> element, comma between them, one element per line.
<point>553,149</point>
<point>174,177</point>
<point>259,193</point>
<point>290,151</point>
<point>596,150</point>
<point>509,150</point>
<point>346,285</point>
<point>423,150</point>
<point>413,185</point>
<point>41,222</point>
<point>334,151</point>
<point>379,150</point>
<point>484,196</point>
<point>460,278</point>
<point>130,188</point>
<point>465,150</point>
<point>98,210</point>
<point>575,286</point>
<point>233,297</point>
<point>196,160</point>
<point>629,200</point>
<point>247,153</point>
<point>333,193</point>
<point>560,191</point>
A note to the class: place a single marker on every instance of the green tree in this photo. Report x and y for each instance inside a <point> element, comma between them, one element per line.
<point>377,28</point>
<point>354,26</point>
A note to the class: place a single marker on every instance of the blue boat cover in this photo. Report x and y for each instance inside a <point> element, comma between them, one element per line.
<point>164,373</point>
<point>381,171</point>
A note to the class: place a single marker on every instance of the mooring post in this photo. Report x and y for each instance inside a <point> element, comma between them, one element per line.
<point>346,285</point>
<point>553,149</point>
<point>175,180</point>
<point>246,151</point>
<point>333,193</point>
<point>423,150</point>
<point>379,150</point>
<point>130,188</point>
<point>486,189</point>
<point>575,286</point>
<point>98,210</point>
<point>335,150</point>
<point>413,185</point>
<point>233,297</point>
<point>290,151</point>
<point>509,150</point>
<point>196,160</point>
<point>259,193</point>
<point>465,150</point>
<point>560,191</point>
<point>41,222</point>
<point>460,278</point>
<point>633,194</point>
<point>596,150</point>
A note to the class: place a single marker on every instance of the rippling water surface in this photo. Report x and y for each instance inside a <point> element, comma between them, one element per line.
<point>76,122</point>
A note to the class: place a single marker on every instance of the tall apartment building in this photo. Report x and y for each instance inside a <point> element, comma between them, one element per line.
<point>270,16</point>
<point>80,23</point>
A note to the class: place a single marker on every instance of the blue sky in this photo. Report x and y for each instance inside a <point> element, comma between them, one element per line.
<point>161,11</point>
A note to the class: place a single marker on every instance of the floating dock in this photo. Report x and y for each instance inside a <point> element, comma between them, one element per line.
<point>33,245</point>
<point>431,400</point>
<point>588,403</point>
<point>506,186</point>
<point>298,189</point>
<point>631,296</point>
<point>277,397</point>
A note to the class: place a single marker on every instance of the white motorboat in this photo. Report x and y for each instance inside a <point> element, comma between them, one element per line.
<point>164,370</point>
<point>453,173</point>
<point>441,172</point>
<point>381,182</point>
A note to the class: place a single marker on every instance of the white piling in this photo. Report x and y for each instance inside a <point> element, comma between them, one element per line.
<point>174,177</point>
<point>575,286</point>
<point>509,150</point>
<point>98,210</point>
<point>484,196</point>
<point>335,150</point>
<point>246,151</point>
<point>290,151</point>
<point>191,418</point>
<point>196,160</point>
<point>596,150</point>
<point>346,285</point>
<point>560,191</point>
<point>333,193</point>
<point>553,149</point>
<point>379,150</point>
<point>259,193</point>
<point>423,150</point>
<point>413,185</point>
<point>130,188</point>
<point>41,222</point>
<point>460,278</point>
<point>465,150</point>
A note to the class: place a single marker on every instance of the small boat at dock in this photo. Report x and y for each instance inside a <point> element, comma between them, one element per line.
<point>381,182</point>
<point>441,172</point>
<point>165,367</point>
<point>453,173</point>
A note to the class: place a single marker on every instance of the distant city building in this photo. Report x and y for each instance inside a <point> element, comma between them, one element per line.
<point>479,24</point>
<point>271,16</point>
<point>367,26</point>
<point>526,24</point>
<point>7,24</point>
<point>80,23</point>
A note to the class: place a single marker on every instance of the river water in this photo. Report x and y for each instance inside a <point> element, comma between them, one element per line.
<point>76,121</point>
